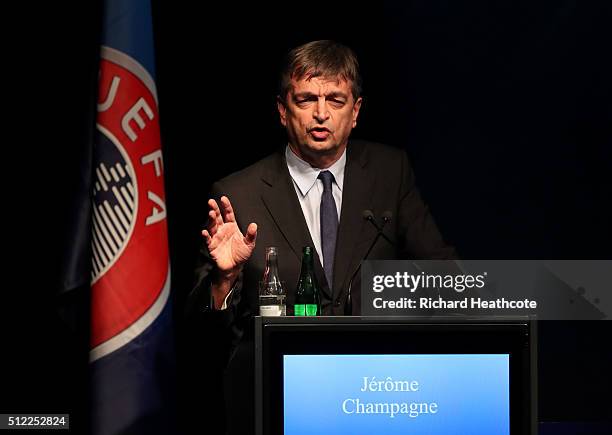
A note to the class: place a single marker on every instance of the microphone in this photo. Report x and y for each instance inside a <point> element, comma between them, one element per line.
<point>369,216</point>
<point>386,216</point>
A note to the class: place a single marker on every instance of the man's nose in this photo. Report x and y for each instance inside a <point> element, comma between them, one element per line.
<point>321,113</point>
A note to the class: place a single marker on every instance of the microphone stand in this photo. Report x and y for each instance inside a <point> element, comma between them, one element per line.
<point>369,216</point>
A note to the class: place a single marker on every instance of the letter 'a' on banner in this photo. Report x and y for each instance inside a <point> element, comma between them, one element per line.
<point>131,349</point>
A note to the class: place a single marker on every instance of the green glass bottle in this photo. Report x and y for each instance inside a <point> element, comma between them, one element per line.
<point>307,299</point>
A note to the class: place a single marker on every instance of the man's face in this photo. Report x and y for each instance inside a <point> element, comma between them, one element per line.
<point>319,114</point>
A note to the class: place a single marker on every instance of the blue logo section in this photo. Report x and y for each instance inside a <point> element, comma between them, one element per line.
<point>396,394</point>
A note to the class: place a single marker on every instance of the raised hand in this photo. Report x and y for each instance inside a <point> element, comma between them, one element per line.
<point>227,246</point>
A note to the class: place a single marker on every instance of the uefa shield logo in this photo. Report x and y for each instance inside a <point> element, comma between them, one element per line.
<point>129,288</point>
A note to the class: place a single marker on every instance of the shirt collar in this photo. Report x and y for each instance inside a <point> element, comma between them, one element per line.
<point>305,175</point>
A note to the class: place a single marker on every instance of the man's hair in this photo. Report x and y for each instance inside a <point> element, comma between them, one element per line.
<point>323,58</point>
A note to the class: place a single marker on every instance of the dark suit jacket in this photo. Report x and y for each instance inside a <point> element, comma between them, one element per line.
<point>377,178</point>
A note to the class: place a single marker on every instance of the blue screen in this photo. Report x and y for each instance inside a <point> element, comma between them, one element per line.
<point>396,394</point>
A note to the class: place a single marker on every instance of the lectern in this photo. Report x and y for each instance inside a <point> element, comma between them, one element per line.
<point>385,375</point>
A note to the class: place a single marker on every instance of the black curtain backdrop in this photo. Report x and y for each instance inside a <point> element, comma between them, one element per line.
<point>503,106</point>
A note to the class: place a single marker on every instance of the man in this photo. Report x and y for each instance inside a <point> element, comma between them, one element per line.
<point>313,192</point>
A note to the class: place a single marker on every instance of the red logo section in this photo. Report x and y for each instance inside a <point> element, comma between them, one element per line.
<point>126,290</point>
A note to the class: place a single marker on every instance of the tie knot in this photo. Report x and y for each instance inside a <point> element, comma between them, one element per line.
<point>327,178</point>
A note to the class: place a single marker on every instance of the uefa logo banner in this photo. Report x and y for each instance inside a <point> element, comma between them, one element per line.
<point>130,263</point>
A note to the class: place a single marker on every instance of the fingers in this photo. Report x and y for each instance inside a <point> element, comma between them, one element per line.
<point>206,236</point>
<point>212,223</point>
<point>217,213</point>
<point>228,211</point>
<point>210,241</point>
<point>213,218</point>
<point>251,234</point>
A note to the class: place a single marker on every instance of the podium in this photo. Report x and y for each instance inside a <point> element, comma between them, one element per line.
<point>417,375</point>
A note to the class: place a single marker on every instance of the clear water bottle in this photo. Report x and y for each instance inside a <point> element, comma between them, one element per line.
<point>271,291</point>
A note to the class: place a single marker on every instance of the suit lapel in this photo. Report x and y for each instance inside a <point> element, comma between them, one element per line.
<point>356,197</point>
<point>280,199</point>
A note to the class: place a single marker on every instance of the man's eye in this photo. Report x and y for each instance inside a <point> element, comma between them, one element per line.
<point>336,103</point>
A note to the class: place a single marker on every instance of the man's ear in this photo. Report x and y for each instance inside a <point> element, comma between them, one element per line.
<point>282,110</point>
<point>356,108</point>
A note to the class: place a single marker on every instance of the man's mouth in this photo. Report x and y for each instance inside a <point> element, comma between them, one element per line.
<point>320,133</point>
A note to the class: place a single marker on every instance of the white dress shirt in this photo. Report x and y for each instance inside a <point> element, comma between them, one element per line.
<point>309,190</point>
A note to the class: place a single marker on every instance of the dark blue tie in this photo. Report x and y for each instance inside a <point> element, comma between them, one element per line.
<point>329,226</point>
